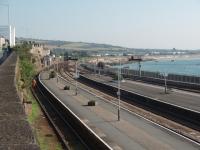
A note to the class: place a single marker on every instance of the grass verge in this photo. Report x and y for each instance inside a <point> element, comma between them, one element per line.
<point>45,136</point>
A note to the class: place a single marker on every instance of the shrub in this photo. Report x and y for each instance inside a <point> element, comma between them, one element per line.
<point>52,74</point>
<point>33,60</point>
<point>101,65</point>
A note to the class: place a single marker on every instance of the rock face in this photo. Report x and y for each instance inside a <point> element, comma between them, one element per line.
<point>15,131</point>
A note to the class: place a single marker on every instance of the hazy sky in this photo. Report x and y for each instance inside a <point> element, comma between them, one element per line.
<point>130,23</point>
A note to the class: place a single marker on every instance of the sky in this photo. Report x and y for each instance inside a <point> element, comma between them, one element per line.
<point>164,24</point>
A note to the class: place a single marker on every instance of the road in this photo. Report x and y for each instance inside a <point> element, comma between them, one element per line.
<point>131,132</point>
<point>184,99</point>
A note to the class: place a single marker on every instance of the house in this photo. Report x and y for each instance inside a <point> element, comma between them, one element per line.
<point>47,60</point>
<point>2,42</point>
<point>39,50</point>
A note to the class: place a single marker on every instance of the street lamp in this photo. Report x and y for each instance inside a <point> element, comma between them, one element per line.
<point>165,75</point>
<point>94,68</point>
<point>98,66</point>
<point>57,67</point>
<point>76,76</point>
<point>140,68</point>
<point>119,88</point>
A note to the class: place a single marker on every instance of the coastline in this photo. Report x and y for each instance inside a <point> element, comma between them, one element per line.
<point>114,60</point>
<point>172,57</point>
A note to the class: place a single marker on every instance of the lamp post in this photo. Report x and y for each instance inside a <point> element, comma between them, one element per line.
<point>57,67</point>
<point>139,68</point>
<point>98,66</point>
<point>94,68</point>
<point>165,75</point>
<point>76,77</point>
<point>119,88</point>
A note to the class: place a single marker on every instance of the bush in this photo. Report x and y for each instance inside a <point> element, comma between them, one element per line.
<point>67,87</point>
<point>33,60</point>
<point>101,65</point>
<point>27,72</point>
<point>115,77</point>
<point>27,68</point>
<point>52,74</point>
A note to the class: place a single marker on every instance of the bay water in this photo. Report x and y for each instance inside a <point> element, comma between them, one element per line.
<point>183,67</point>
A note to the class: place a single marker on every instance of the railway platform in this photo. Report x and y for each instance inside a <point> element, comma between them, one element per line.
<point>131,132</point>
<point>184,99</point>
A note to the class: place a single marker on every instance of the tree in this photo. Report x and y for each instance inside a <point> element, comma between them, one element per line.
<point>101,65</point>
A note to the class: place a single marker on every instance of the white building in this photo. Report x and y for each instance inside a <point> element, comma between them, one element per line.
<point>39,50</point>
<point>47,60</point>
<point>8,32</point>
<point>2,41</point>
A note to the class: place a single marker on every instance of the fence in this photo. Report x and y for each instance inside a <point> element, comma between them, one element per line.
<point>146,74</point>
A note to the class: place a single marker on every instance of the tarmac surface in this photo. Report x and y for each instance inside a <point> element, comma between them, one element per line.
<point>188,100</point>
<point>130,133</point>
<point>15,131</point>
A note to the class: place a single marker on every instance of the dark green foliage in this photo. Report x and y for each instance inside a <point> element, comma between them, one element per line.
<point>33,60</point>
<point>26,66</point>
<point>101,65</point>
<point>52,74</point>
<point>115,77</point>
<point>27,71</point>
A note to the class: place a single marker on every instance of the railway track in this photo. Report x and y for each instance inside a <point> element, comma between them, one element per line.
<point>69,138</point>
<point>87,138</point>
<point>174,112</point>
<point>162,121</point>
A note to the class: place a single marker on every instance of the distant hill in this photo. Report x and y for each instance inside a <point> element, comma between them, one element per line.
<point>53,44</point>
<point>60,47</point>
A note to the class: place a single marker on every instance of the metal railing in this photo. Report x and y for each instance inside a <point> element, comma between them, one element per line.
<point>156,75</point>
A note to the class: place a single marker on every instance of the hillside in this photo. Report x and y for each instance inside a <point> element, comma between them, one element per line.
<point>60,47</point>
<point>56,44</point>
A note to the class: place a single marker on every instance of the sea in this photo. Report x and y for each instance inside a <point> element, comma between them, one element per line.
<point>183,67</point>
